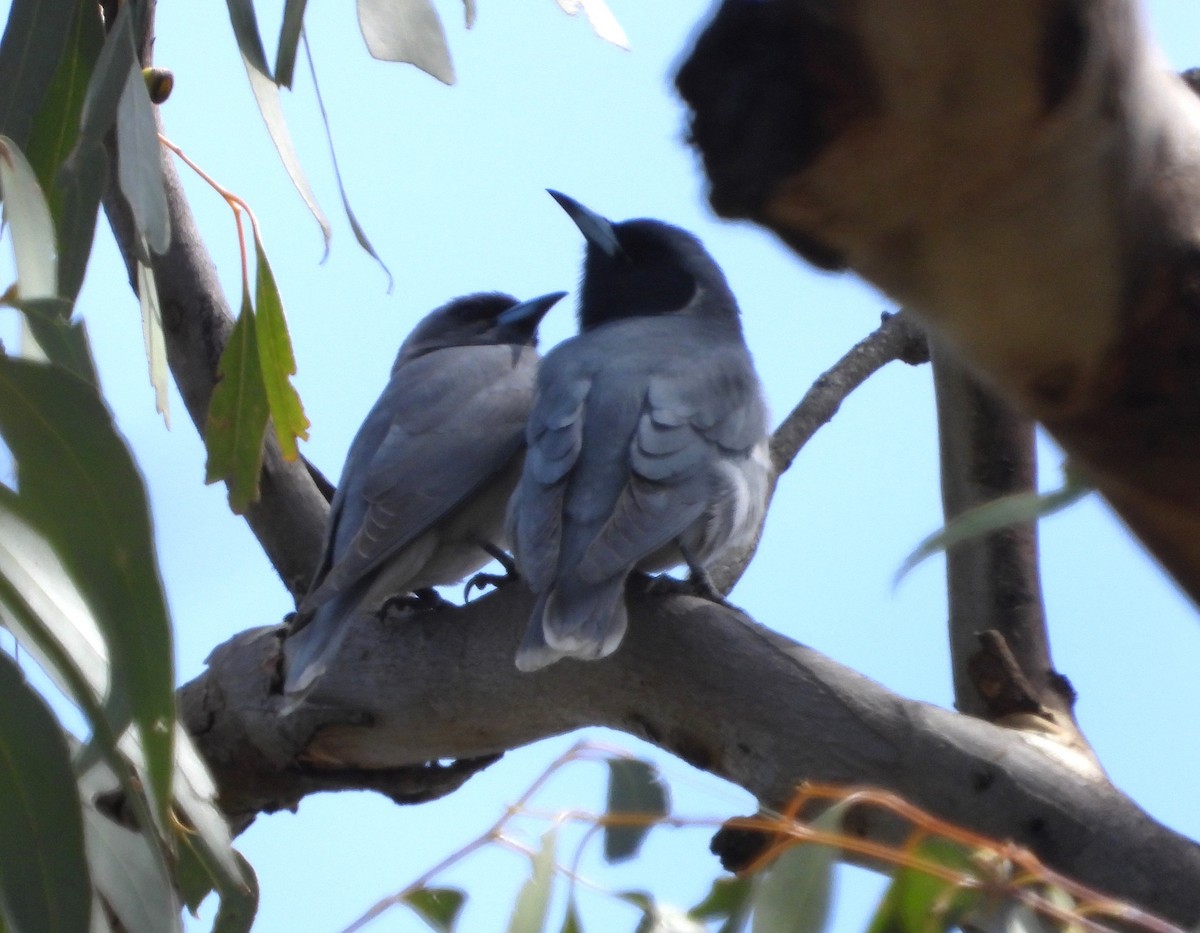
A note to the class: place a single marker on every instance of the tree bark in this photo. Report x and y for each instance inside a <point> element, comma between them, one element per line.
<point>1025,176</point>
<point>430,685</point>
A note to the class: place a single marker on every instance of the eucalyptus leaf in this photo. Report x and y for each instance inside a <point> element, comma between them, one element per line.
<point>276,360</point>
<point>634,789</point>
<point>289,41</point>
<point>266,93</point>
<point>529,913</point>
<point>438,907</point>
<point>139,163</point>
<point>29,221</point>
<point>1004,512</point>
<point>33,43</point>
<point>44,879</point>
<point>80,488</point>
<point>237,415</point>
<point>155,341</point>
<point>406,31</point>
<point>792,895</point>
<point>130,875</point>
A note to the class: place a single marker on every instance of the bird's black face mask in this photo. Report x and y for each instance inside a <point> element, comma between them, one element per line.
<point>651,274</point>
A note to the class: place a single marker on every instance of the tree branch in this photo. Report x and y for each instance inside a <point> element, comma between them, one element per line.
<point>289,517</point>
<point>897,338</point>
<point>993,581</point>
<point>1045,225</point>
<point>442,684</point>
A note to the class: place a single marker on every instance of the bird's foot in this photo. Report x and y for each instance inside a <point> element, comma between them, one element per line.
<point>482,580</point>
<point>698,584</point>
<point>420,600</point>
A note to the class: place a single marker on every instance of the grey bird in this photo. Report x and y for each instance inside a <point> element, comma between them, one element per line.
<point>647,440</point>
<point>423,493</point>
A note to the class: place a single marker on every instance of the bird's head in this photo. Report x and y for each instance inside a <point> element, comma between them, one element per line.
<point>640,268</point>
<point>483,319</point>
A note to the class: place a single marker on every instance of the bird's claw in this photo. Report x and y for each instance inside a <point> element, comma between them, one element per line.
<point>698,585</point>
<point>419,600</point>
<point>482,580</point>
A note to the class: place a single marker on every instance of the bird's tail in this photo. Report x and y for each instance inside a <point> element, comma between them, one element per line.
<point>585,621</point>
<point>307,653</point>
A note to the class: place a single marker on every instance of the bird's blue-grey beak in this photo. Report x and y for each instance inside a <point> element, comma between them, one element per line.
<point>596,229</point>
<point>530,312</point>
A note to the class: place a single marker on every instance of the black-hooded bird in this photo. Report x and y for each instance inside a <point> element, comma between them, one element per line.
<point>647,441</point>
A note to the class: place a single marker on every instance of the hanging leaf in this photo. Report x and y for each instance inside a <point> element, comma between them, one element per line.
<point>728,899</point>
<point>634,789</point>
<point>117,56</point>
<point>80,488</point>
<point>406,31</point>
<point>237,415</point>
<point>266,93</point>
<point>1004,512</point>
<point>44,880</point>
<point>30,51</point>
<point>438,907</point>
<point>139,163</point>
<point>63,340</point>
<point>73,192</point>
<point>529,914</point>
<point>276,359</point>
<point>792,895</point>
<point>152,334</point>
<point>29,220</point>
<point>917,902</point>
<point>289,41</point>
<point>359,234</point>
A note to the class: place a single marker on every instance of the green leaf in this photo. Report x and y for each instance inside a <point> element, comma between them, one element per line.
<point>406,31</point>
<point>237,415</point>
<point>44,882</point>
<point>529,913</point>
<point>917,902</point>
<point>729,898</point>
<point>192,877</point>
<point>107,83</point>
<point>792,895</point>
<point>29,54</point>
<point>359,233</point>
<point>152,334</point>
<point>571,922</point>
<point>139,166</point>
<point>73,191</point>
<point>63,341</point>
<point>1004,512</point>
<point>80,488</point>
<point>29,220</point>
<point>130,875</point>
<point>634,789</point>
<point>438,907</point>
<point>238,909</point>
<point>266,93</point>
<point>196,798</point>
<point>289,41</point>
<point>276,359</point>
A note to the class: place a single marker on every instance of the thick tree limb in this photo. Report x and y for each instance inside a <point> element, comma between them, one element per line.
<point>442,684</point>
<point>1025,176</point>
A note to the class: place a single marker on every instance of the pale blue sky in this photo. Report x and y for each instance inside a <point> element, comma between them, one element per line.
<point>449,184</point>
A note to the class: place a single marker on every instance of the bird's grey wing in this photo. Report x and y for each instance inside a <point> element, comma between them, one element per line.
<point>554,436</point>
<point>693,415</point>
<point>457,417</point>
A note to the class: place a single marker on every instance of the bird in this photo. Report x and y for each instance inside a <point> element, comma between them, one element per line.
<point>423,493</point>
<point>647,442</point>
